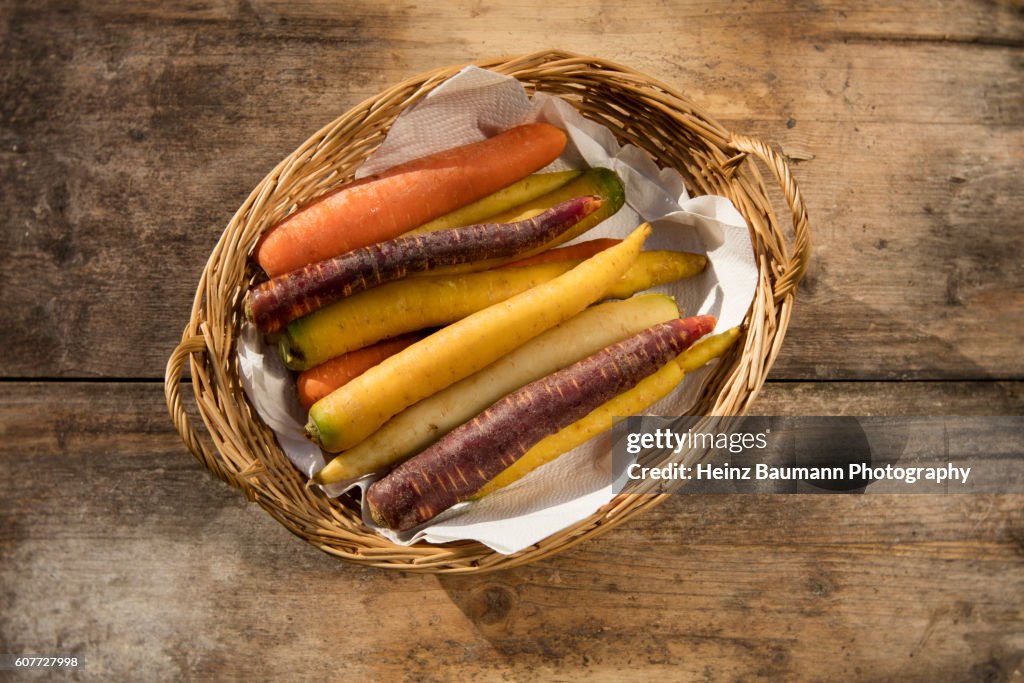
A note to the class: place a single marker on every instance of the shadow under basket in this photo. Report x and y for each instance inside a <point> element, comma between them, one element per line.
<point>242,451</point>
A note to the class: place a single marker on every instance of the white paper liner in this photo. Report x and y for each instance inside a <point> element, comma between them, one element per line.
<point>474,105</point>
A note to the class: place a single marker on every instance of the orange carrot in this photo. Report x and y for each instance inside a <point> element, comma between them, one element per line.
<point>408,195</point>
<point>581,250</point>
<point>315,383</point>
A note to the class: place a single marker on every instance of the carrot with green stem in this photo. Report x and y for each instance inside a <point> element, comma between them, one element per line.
<point>526,190</point>
<point>405,196</point>
<point>458,465</point>
<point>274,303</point>
<point>435,300</point>
<point>598,180</point>
<point>356,410</point>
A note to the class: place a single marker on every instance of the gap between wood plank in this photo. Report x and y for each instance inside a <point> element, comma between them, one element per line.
<point>946,39</point>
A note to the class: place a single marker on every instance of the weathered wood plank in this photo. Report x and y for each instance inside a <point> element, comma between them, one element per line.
<point>117,547</point>
<point>890,398</point>
<point>128,135</point>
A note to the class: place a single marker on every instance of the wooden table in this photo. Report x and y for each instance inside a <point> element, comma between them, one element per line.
<point>128,136</point>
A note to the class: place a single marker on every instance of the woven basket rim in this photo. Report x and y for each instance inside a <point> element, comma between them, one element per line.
<point>242,451</point>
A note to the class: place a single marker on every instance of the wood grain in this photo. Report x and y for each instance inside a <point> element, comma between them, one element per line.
<point>129,133</point>
<point>118,547</point>
<point>128,136</point>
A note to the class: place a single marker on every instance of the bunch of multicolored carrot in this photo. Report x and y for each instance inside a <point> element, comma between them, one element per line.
<point>438,332</point>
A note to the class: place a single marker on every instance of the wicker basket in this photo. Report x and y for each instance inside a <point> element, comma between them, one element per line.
<point>638,110</point>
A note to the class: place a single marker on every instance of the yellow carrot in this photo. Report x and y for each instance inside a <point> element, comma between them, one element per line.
<point>603,182</point>
<point>526,190</point>
<point>636,400</point>
<point>399,307</point>
<point>416,303</point>
<point>356,410</point>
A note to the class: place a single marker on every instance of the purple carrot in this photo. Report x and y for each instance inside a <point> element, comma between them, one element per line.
<point>273,304</point>
<point>460,463</point>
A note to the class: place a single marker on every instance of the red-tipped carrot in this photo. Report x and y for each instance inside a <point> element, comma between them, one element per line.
<point>408,195</point>
<point>581,250</point>
<point>273,304</point>
<point>460,463</point>
<point>315,383</point>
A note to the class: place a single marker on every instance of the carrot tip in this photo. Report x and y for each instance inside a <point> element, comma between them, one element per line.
<point>312,432</point>
<point>706,323</point>
<point>592,203</point>
<point>377,517</point>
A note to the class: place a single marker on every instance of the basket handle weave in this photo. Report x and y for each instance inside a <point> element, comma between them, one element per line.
<point>794,269</point>
<point>192,343</point>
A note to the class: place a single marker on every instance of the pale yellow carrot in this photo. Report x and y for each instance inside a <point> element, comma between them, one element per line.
<point>421,424</point>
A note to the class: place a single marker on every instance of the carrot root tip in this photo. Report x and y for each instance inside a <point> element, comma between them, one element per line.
<point>377,518</point>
